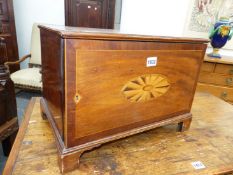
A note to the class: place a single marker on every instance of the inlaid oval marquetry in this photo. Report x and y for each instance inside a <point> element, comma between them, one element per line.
<point>146,87</point>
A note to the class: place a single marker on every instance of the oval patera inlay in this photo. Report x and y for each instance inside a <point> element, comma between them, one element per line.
<point>146,87</point>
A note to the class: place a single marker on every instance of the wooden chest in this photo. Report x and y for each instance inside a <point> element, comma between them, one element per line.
<point>102,85</point>
<point>216,77</point>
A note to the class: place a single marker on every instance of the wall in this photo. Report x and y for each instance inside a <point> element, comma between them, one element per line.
<point>41,11</point>
<point>117,20</point>
<point>157,17</point>
<point>29,11</point>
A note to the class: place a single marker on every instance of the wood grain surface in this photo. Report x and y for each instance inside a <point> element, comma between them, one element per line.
<point>118,35</point>
<point>99,85</point>
<point>85,70</point>
<point>216,77</point>
<point>8,33</point>
<point>160,151</point>
<point>89,13</point>
<point>101,69</point>
<point>225,93</point>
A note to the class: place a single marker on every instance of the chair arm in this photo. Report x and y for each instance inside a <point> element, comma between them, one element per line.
<point>17,62</point>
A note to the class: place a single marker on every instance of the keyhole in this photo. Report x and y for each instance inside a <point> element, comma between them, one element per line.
<point>77,98</point>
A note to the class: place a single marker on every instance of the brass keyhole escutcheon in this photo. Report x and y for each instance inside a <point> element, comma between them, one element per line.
<point>231,72</point>
<point>229,81</point>
<point>77,98</point>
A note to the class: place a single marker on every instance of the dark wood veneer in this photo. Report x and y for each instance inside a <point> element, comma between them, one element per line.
<point>8,111</point>
<point>8,33</point>
<point>90,13</point>
<point>53,89</point>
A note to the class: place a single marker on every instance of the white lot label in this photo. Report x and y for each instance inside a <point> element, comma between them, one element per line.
<point>198,165</point>
<point>151,61</point>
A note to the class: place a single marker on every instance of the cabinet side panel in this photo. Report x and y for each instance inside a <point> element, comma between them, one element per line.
<point>52,75</point>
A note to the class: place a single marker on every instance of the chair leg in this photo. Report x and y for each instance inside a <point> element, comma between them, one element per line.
<point>8,143</point>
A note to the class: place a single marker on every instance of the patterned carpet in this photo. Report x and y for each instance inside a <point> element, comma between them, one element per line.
<point>22,99</point>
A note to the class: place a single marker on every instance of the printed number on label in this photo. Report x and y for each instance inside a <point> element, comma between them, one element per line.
<point>151,61</point>
<point>198,165</point>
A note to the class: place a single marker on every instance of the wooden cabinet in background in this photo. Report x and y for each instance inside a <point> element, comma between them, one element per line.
<point>90,13</point>
<point>216,77</point>
<point>8,34</point>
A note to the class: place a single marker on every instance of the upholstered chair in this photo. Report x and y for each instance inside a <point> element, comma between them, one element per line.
<point>30,78</point>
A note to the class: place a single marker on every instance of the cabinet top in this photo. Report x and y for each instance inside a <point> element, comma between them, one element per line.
<point>109,34</point>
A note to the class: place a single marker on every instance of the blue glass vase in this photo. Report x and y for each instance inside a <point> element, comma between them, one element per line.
<point>220,33</point>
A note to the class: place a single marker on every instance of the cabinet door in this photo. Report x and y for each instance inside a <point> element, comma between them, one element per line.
<point>3,10</point>
<point>9,50</point>
<point>90,13</point>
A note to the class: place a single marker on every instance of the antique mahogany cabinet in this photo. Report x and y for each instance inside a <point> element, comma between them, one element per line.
<point>101,85</point>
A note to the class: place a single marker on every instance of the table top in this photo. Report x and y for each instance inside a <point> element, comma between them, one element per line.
<point>223,60</point>
<point>161,151</point>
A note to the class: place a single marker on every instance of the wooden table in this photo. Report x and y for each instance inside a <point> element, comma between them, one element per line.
<point>158,152</point>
